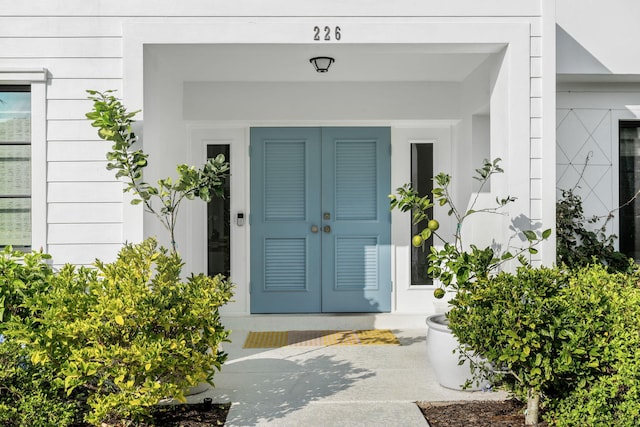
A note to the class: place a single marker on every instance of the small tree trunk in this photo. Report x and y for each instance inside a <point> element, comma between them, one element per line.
<point>533,405</point>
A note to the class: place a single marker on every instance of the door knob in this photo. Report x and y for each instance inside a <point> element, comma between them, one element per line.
<point>314,228</point>
<point>327,229</point>
<point>326,216</point>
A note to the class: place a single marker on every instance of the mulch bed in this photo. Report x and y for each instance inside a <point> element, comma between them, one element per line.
<point>507,413</point>
<point>188,415</point>
<point>193,415</point>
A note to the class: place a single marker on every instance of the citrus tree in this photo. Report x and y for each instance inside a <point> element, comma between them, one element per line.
<point>456,262</point>
<point>114,124</point>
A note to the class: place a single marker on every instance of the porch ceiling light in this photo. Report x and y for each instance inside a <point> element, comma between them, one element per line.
<point>322,63</point>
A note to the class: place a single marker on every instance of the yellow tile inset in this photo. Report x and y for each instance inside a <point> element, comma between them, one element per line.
<point>270,339</point>
<point>377,337</point>
<point>273,339</point>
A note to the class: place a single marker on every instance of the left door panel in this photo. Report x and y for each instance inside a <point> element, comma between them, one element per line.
<point>285,206</point>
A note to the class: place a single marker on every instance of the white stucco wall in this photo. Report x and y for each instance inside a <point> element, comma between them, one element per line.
<point>598,85</point>
<point>595,37</point>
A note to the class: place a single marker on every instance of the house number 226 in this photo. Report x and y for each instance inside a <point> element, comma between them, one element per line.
<point>326,33</point>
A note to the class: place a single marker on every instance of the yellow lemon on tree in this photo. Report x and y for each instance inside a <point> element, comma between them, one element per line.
<point>417,241</point>
<point>426,234</point>
<point>433,225</point>
<point>438,293</point>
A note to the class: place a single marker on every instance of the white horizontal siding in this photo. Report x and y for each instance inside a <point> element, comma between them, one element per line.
<point>536,46</point>
<point>91,233</point>
<point>84,26</point>
<point>98,68</point>
<point>536,71</point>
<point>84,202</point>
<point>536,189</point>
<point>536,107</point>
<point>61,151</point>
<point>536,87</point>
<point>536,128</point>
<point>536,210</point>
<point>79,172</point>
<point>536,67</point>
<point>56,47</point>
<point>69,213</point>
<point>83,254</point>
<point>199,8</point>
<point>71,130</point>
<point>536,148</point>
<point>537,169</point>
<point>74,88</point>
<point>85,192</point>
<point>68,109</point>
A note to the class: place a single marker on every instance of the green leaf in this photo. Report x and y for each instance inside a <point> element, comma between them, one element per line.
<point>507,255</point>
<point>530,235</point>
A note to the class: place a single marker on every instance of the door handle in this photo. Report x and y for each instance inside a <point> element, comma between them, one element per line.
<point>314,228</point>
<point>327,229</point>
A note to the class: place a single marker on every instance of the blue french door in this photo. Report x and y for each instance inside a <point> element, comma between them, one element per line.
<point>320,221</point>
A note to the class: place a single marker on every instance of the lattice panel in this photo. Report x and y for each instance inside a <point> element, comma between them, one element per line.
<point>584,137</point>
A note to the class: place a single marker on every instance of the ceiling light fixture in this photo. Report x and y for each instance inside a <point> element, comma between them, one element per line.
<point>322,63</point>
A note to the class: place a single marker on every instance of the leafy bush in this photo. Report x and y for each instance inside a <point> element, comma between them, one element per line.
<point>611,396</point>
<point>30,395</point>
<point>569,336</point>
<point>577,246</point>
<point>125,335</point>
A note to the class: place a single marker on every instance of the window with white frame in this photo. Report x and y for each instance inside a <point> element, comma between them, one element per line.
<point>421,181</point>
<point>15,166</point>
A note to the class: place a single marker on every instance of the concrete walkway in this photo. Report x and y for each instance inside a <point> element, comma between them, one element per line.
<point>328,386</point>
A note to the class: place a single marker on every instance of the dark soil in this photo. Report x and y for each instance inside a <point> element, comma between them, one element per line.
<point>192,415</point>
<point>185,415</point>
<point>507,413</point>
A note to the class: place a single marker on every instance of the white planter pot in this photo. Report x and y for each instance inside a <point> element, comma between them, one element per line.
<point>440,346</point>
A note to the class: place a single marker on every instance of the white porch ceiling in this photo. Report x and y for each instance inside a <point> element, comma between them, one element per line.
<point>290,63</point>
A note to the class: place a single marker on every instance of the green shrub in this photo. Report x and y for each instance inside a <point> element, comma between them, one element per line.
<point>514,322</point>
<point>612,396</point>
<point>30,395</point>
<point>570,337</point>
<point>21,275</point>
<point>577,246</point>
<point>128,334</point>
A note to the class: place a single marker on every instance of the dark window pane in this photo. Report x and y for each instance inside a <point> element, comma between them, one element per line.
<point>219,224</point>
<point>629,183</point>
<point>421,180</point>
